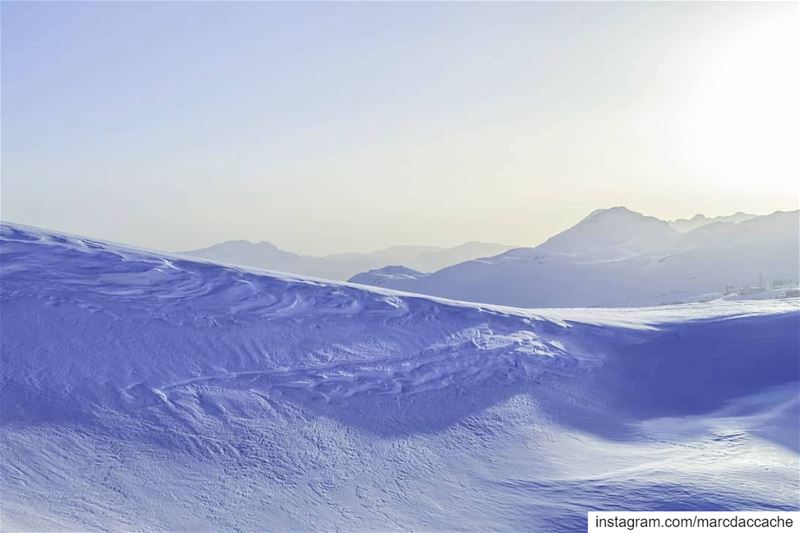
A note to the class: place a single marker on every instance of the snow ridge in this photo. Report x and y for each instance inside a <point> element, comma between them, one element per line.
<point>145,391</point>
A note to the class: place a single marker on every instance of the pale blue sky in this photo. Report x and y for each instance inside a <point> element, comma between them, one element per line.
<point>327,127</point>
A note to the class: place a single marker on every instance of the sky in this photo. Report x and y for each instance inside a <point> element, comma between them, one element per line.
<point>332,127</point>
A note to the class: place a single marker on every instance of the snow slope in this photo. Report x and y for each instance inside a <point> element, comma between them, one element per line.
<point>148,392</point>
<point>388,274</point>
<point>342,266</point>
<point>609,235</point>
<point>617,258</point>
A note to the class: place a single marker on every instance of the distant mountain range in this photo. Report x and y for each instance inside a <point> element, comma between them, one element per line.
<point>341,267</point>
<point>683,225</point>
<point>617,257</point>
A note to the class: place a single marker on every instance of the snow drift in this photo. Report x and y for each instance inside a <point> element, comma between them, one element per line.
<point>141,391</point>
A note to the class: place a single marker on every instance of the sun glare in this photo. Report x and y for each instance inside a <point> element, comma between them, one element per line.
<point>744,117</point>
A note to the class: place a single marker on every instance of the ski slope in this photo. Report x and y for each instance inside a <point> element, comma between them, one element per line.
<point>147,392</point>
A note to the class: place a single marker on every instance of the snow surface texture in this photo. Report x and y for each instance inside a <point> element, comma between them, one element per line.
<point>618,258</point>
<point>340,267</point>
<point>146,392</point>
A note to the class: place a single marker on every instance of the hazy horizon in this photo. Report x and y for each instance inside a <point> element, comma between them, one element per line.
<point>327,128</point>
<point>421,243</point>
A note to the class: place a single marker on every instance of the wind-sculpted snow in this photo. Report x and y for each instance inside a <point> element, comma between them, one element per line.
<point>147,392</point>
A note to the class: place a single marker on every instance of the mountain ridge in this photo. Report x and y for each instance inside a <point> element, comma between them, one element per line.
<point>618,257</point>
<point>341,266</point>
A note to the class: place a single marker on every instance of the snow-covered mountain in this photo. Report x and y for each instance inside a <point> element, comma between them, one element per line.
<point>617,257</point>
<point>265,255</point>
<point>379,277</point>
<point>608,235</point>
<point>148,392</point>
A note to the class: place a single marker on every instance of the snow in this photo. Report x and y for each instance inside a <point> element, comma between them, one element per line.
<point>609,235</point>
<point>387,274</point>
<point>142,391</point>
<point>619,258</point>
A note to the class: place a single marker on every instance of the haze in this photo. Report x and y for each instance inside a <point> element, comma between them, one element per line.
<point>327,127</point>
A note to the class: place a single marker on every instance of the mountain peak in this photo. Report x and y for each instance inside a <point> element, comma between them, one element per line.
<point>387,274</point>
<point>609,234</point>
<point>243,245</point>
<point>617,212</point>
